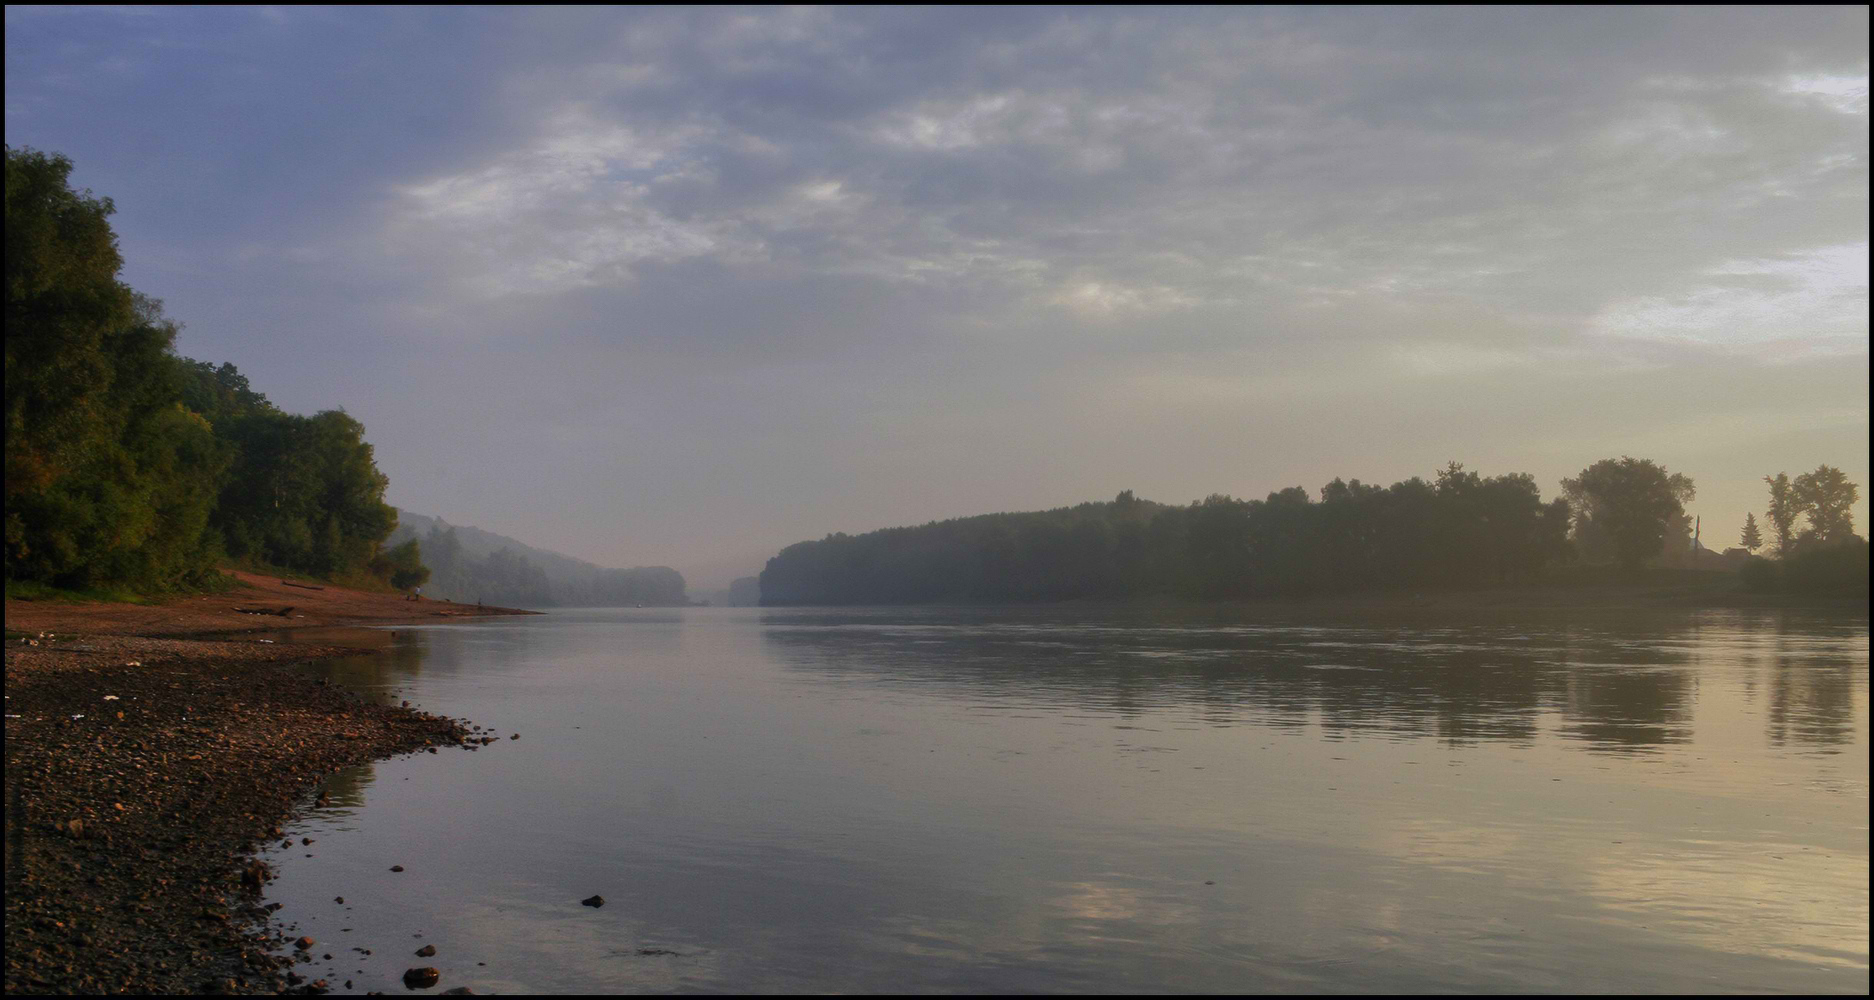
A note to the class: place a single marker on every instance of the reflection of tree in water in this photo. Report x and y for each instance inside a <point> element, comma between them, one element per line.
<point>1614,709</point>
<point>1459,695</point>
<point>345,787</point>
<point>1621,687</point>
<point>1811,704</point>
<point>399,657</point>
<point>1811,691</point>
<point>1626,691</point>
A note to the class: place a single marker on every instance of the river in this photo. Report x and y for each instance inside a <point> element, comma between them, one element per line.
<point>1107,799</point>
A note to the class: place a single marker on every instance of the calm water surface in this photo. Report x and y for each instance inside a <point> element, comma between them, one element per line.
<point>1108,800</point>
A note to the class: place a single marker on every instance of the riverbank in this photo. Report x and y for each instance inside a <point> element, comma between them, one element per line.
<point>258,603</point>
<point>145,762</point>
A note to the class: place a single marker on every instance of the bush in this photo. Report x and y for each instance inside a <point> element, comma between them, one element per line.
<point>402,566</point>
<point>1759,574</point>
<point>1839,569</point>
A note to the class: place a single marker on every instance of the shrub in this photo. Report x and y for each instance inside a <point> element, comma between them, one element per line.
<point>1759,574</point>
<point>1839,569</point>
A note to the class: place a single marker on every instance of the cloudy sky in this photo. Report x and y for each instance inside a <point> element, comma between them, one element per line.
<point>683,286</point>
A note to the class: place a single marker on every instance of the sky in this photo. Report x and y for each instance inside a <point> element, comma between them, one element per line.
<point>682,286</point>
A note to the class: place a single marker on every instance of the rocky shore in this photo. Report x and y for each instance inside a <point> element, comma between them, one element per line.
<point>141,773</point>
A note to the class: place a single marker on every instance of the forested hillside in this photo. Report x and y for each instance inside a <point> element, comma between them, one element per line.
<point>129,466</point>
<point>469,565</point>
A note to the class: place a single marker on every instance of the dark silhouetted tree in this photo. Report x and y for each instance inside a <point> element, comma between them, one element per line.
<point>1627,507</point>
<point>1753,539</point>
<point>1826,498</point>
<point>1783,512</point>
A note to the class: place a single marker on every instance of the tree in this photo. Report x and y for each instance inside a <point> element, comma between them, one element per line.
<point>109,479</point>
<point>1783,512</point>
<point>128,465</point>
<point>1826,498</point>
<point>1753,540</point>
<point>1626,506</point>
<point>402,565</point>
<point>304,493</point>
<point>65,310</point>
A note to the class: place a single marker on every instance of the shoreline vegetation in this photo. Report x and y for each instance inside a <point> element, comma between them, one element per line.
<point>130,468</point>
<point>150,748</point>
<point>1619,532</point>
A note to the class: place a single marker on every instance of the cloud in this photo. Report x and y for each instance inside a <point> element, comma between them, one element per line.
<point>817,231</point>
<point>1805,302</point>
<point>1843,93</point>
<point>572,209</point>
<point>1222,163</point>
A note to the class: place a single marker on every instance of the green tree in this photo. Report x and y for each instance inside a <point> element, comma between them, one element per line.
<point>65,312</point>
<point>402,565</point>
<point>304,494</point>
<point>1628,506</point>
<point>1826,498</point>
<point>108,478</point>
<point>1753,539</point>
<point>126,464</point>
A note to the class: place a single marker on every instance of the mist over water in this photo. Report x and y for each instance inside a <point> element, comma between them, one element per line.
<point>1109,799</point>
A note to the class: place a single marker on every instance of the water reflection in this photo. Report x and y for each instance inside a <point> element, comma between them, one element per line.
<point>1812,704</point>
<point>345,788</point>
<point>1617,685</point>
<point>399,658</point>
<point>1095,800</point>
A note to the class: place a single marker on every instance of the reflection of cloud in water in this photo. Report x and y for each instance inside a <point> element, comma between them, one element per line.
<point>1788,901</point>
<point>1452,845</point>
<point>587,947</point>
<point>1101,901</point>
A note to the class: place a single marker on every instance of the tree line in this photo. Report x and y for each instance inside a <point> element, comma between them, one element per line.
<point>129,465</point>
<point>1458,529</point>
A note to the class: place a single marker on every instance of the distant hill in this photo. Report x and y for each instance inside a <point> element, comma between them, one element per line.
<point>468,565</point>
<point>744,592</point>
<point>481,544</point>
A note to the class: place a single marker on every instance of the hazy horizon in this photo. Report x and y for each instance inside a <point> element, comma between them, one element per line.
<point>681,287</point>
